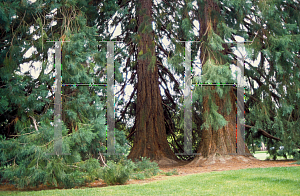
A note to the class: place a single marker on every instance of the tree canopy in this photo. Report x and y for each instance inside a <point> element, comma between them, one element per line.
<point>149,57</point>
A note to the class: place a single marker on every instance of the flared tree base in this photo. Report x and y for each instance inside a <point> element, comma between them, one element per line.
<point>220,159</point>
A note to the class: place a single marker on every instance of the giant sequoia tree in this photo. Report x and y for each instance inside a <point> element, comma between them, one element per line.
<point>148,74</point>
<point>220,136</point>
<point>150,138</point>
<point>273,29</point>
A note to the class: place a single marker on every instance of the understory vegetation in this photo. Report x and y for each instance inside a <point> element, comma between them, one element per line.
<point>121,172</point>
<point>58,174</point>
<point>255,181</point>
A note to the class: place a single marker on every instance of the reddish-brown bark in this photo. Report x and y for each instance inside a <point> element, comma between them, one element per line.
<point>222,141</point>
<point>150,137</point>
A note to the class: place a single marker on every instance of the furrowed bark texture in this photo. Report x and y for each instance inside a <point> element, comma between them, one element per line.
<point>222,141</point>
<point>150,137</point>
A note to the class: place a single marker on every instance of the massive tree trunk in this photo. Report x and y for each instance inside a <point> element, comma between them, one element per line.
<point>150,137</point>
<point>218,144</point>
<point>225,141</point>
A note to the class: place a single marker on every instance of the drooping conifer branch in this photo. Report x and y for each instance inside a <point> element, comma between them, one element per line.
<point>264,133</point>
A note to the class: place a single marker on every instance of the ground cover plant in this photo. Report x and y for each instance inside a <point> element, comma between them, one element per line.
<point>121,172</point>
<point>114,172</point>
<point>255,181</point>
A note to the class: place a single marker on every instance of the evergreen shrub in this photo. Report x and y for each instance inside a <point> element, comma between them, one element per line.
<point>172,172</point>
<point>296,155</point>
<point>123,170</point>
<point>117,173</point>
<point>145,169</point>
<point>24,161</point>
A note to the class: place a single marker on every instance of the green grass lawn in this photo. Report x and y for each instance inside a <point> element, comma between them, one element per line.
<point>262,155</point>
<point>255,181</point>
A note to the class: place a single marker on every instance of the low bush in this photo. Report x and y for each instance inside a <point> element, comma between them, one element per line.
<point>122,171</point>
<point>172,172</point>
<point>138,176</point>
<point>117,173</point>
<point>145,167</point>
<point>296,154</point>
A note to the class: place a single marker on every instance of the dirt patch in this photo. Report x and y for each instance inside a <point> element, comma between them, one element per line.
<point>234,163</point>
<point>212,164</point>
<point>167,162</point>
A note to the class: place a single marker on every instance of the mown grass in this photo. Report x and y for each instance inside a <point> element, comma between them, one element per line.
<point>264,155</point>
<point>255,181</point>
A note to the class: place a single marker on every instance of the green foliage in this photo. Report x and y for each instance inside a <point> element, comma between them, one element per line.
<point>215,42</point>
<point>123,170</point>
<point>226,31</point>
<point>31,165</point>
<point>213,119</point>
<point>214,73</point>
<point>26,111</point>
<point>298,162</point>
<point>145,169</point>
<point>277,111</point>
<point>117,173</point>
<point>172,172</point>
